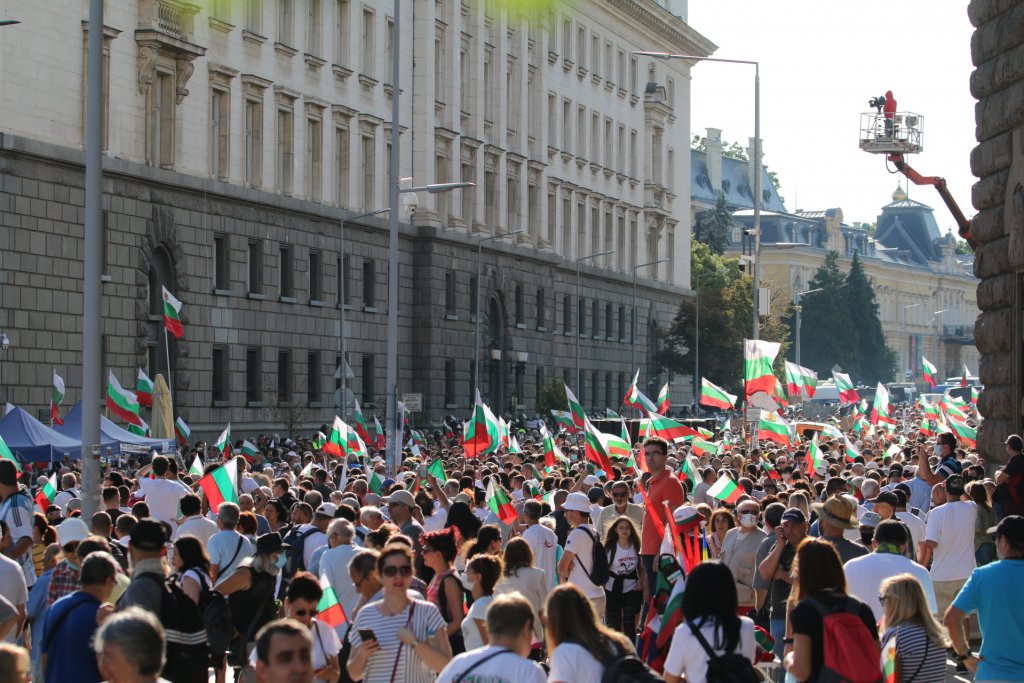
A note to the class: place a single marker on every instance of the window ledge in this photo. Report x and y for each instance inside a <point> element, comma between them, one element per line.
<point>568,64</point>
<point>633,99</point>
<point>370,309</point>
<point>609,86</point>
<point>368,81</point>
<point>106,278</point>
<point>341,72</point>
<point>451,316</point>
<point>552,56</point>
<point>288,300</point>
<point>349,307</point>
<point>451,406</point>
<point>317,404</point>
<point>222,292</point>
<point>220,404</point>
<point>286,50</point>
<point>622,92</point>
<point>541,328</point>
<point>256,404</point>
<point>317,302</point>
<point>220,25</point>
<point>254,38</point>
<point>520,326</point>
<point>313,62</point>
<point>256,296</point>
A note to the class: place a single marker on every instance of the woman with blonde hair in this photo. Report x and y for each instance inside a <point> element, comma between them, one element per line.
<point>577,640</point>
<point>914,640</point>
<point>800,500</point>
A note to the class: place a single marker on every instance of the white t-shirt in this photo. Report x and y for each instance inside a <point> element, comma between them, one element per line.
<point>544,544</point>
<point>951,525</point>
<point>66,496</point>
<point>198,526</point>
<point>248,484</point>
<point>687,658</point>
<point>915,524</point>
<point>12,587</point>
<point>572,663</point>
<point>221,548</point>
<point>470,630</point>
<point>581,543</point>
<point>17,510</point>
<point>864,576</point>
<point>436,521</point>
<point>507,667</point>
<point>162,496</point>
<point>625,561</point>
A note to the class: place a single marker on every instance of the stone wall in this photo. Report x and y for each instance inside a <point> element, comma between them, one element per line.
<point>997,50</point>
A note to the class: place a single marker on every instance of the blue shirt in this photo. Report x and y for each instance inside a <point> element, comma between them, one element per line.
<point>1001,615</point>
<point>36,610</point>
<point>69,652</point>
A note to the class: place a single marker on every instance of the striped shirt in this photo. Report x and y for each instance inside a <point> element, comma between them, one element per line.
<point>426,621</point>
<point>921,660</point>
<point>17,510</point>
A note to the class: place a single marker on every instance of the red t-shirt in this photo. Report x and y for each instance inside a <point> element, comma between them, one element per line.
<point>663,487</point>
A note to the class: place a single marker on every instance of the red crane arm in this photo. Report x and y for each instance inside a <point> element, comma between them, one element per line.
<point>963,225</point>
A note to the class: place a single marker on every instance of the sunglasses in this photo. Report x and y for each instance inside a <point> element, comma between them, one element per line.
<point>619,494</point>
<point>304,612</point>
<point>392,571</point>
<point>882,598</point>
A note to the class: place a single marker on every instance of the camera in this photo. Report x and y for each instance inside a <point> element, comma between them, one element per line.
<point>877,103</point>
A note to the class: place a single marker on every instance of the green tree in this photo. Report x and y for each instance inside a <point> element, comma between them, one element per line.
<point>825,321</point>
<point>551,396</point>
<point>872,361</point>
<point>714,225</point>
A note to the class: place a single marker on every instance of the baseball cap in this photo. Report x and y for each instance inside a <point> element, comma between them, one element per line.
<point>402,498</point>
<point>955,485</point>
<point>794,515</point>
<point>148,534</point>
<point>1012,527</point>
<point>71,531</point>
<point>327,510</point>
<point>887,497</point>
<point>870,519</point>
<point>577,501</point>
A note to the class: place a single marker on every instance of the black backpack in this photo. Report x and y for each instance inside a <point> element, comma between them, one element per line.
<point>599,571</point>
<point>731,667</point>
<point>628,668</point>
<point>188,654</point>
<point>296,561</point>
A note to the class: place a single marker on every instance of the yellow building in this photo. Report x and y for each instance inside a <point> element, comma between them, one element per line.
<point>926,292</point>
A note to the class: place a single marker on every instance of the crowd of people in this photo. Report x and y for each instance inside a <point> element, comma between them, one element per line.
<point>330,568</point>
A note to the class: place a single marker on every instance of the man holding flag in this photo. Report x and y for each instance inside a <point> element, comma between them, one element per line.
<point>662,487</point>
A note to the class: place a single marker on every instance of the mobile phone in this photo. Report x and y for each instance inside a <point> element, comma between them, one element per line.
<point>367,634</point>
<point>423,471</point>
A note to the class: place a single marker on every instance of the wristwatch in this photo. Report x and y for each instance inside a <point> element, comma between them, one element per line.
<point>964,657</point>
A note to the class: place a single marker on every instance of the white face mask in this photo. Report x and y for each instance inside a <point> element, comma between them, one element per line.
<point>466,583</point>
<point>748,519</point>
<point>938,449</point>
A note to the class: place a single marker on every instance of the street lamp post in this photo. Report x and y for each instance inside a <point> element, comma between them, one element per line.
<point>756,270</point>
<point>580,260</point>
<point>476,303</point>
<point>5,343</point>
<point>342,404</point>
<point>633,325</point>
<point>938,335</point>
<point>696,339</point>
<point>800,309</point>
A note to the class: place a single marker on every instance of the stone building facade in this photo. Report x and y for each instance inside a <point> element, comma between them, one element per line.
<point>998,83</point>
<point>240,136</point>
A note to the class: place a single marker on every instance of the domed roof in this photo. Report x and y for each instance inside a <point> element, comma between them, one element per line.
<point>899,194</point>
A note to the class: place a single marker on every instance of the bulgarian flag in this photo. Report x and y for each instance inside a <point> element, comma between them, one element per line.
<point>926,427</point>
<point>437,470</point>
<point>500,504</point>
<point>172,314</point>
<point>223,442</point>
<point>967,373</point>
<point>196,470</point>
<point>800,380</point>
<point>376,483</point>
<point>360,425</point>
<point>758,357</point>
<point>974,396</point>
<point>715,396</point>
<point>579,417</point>
<point>379,441</point>
<point>929,371</point>
<point>5,454</point>
<point>844,385</point>
<point>329,610</point>
<point>670,429</point>
<point>483,433</point>
<point>597,448</point>
<point>780,395</point>
<point>564,418</point>
<point>552,454</point>
<point>354,443</point>
<point>772,427</point>
<point>141,429</point>
<point>850,450</point>
<point>889,662</point>
<point>182,431</point>
<point>513,446</point>
<point>726,490</point>
<point>249,450</point>
<point>688,470</point>
<point>56,397</point>
<point>880,411</point>
<point>966,434</point>
<point>663,400</point>
<point>144,389</point>
<point>336,439</point>
<point>701,447</point>
<point>319,440</point>
<point>122,402</point>
<point>814,456</point>
<point>221,485</point>
<point>617,446</point>
<point>770,469</point>
<point>47,492</point>
<point>931,411</point>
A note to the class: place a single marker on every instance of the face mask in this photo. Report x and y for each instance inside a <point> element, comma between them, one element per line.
<point>938,449</point>
<point>281,561</point>
<point>467,583</point>
<point>748,519</point>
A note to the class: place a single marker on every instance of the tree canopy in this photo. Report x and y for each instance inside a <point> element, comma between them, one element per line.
<point>713,226</point>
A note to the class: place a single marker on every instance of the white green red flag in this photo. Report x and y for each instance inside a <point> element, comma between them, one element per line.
<point>5,454</point>
<point>880,411</point>
<point>952,410</point>
<point>617,446</point>
<point>758,358</point>
<point>249,450</point>
<point>564,418</point>
<point>963,379</point>
<point>849,450</point>
<point>47,492</point>
<point>770,469</point>
<point>814,457</point>
<point>172,314</point>
<point>926,428</point>
<point>636,398</point>
<point>122,402</point>
<point>800,380</point>
<point>376,483</point>
<point>844,385</point>
<point>336,440</point>
<point>221,484</point>
<point>329,610</point>
<point>967,435</point>
<point>931,411</point>
<point>56,396</point>
<point>360,425</point>
<point>141,429</point>
<point>773,427</point>
<point>715,396</point>
<point>223,443</point>
<point>670,429</point>
<point>780,396</point>
<point>196,469</point>
<point>379,441</point>
<point>579,417</point>
<point>483,433</point>
<point>974,396</point>
<point>144,389</point>
<point>726,490</point>
<point>597,449</point>
<point>552,454</point>
<point>663,400</point>
<point>182,431</point>
<point>702,447</point>
<point>930,372</point>
<point>500,504</point>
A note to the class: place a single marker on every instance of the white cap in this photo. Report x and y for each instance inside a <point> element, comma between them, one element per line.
<point>577,501</point>
<point>71,530</point>
<point>590,480</point>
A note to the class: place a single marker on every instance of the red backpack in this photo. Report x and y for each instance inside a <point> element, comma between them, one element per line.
<point>851,653</point>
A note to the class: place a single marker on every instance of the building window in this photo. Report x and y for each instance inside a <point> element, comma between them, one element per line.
<point>220,115</point>
<point>449,382</point>
<point>313,376</point>
<point>595,318</point>
<point>366,64</point>
<point>538,381</point>
<point>285,21</point>
<point>285,150</point>
<point>254,16</point>
<point>389,37</point>
<point>253,373</point>
<point>314,157</point>
<point>341,154</point>
<point>285,273</point>
<point>314,18</point>
<point>221,260</point>
<point>344,278</point>
<point>567,313</point>
<point>253,142</point>
<point>369,169</point>
<point>255,281</point>
<point>316,276</point>
<point>284,375</point>
<point>634,69</point>
<point>369,394</point>
<point>220,374</point>
<point>369,283</point>
<point>595,389</point>
<point>567,38</point>
<point>161,118</point>
<point>608,321</point>
<point>541,309</point>
<point>632,154</point>
<point>341,32</point>
<point>622,322</point>
<point>520,306</point>
<point>581,47</point>
<point>581,316</point>
<point>449,293</point>
<point>566,126</point>
<point>581,130</point>
<point>474,296</point>
<point>609,391</point>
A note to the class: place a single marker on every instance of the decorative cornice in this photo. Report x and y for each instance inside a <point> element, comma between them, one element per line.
<point>662,24</point>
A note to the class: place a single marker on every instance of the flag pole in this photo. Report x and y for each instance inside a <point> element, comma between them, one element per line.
<point>170,374</point>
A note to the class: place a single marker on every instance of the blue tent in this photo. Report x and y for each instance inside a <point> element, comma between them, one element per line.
<point>114,439</point>
<point>32,441</point>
